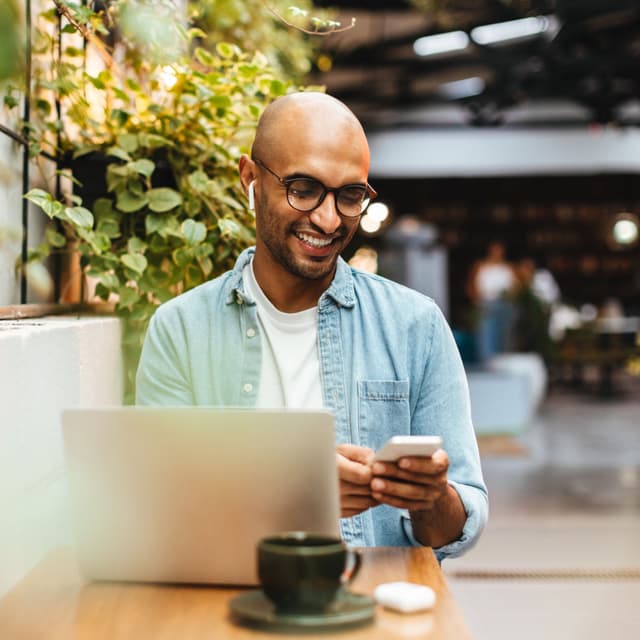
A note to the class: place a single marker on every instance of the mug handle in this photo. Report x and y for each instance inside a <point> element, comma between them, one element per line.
<point>353,566</point>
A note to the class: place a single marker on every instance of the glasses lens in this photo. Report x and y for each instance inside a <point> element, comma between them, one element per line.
<point>304,194</point>
<point>352,200</point>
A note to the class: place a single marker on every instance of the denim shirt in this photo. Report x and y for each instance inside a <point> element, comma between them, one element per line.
<point>389,366</point>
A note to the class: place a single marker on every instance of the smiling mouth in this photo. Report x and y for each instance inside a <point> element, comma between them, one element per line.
<point>312,241</point>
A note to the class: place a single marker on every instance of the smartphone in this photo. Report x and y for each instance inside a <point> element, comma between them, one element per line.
<point>405,446</point>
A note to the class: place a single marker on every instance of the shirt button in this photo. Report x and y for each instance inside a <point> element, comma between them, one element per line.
<point>251,333</point>
<point>248,388</point>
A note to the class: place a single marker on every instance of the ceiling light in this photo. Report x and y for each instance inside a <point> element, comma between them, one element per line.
<point>462,88</point>
<point>503,32</point>
<point>441,43</point>
<point>625,231</point>
<point>378,211</point>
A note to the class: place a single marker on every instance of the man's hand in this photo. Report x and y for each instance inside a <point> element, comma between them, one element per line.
<point>411,483</point>
<point>354,471</point>
<point>420,485</point>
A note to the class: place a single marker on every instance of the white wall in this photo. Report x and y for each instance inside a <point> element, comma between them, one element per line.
<point>421,153</point>
<point>45,365</point>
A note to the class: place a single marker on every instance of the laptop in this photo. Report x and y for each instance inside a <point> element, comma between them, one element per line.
<point>184,494</point>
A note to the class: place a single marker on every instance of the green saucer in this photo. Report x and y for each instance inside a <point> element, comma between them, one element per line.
<point>347,609</point>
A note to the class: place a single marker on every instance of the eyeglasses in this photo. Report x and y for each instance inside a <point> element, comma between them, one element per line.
<point>307,194</point>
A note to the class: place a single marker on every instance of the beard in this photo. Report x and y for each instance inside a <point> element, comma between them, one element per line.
<point>276,239</point>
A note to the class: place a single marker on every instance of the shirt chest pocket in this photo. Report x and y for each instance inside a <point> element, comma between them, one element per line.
<point>383,411</point>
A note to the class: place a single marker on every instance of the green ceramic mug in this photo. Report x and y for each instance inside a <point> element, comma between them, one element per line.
<point>304,572</point>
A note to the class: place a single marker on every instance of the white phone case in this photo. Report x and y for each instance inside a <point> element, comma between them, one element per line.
<point>404,446</point>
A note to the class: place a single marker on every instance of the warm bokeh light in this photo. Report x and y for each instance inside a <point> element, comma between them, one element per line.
<point>370,225</point>
<point>625,231</point>
<point>378,211</point>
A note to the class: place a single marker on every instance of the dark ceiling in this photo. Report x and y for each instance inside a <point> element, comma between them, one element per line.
<point>586,70</point>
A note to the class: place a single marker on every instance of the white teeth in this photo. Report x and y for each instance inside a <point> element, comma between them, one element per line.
<point>314,242</point>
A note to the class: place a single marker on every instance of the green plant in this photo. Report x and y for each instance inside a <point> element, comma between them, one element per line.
<point>188,115</point>
<point>10,40</point>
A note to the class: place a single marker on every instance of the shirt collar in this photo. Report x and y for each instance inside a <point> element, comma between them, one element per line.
<point>340,290</point>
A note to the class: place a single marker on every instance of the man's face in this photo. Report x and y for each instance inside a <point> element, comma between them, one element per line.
<point>307,245</point>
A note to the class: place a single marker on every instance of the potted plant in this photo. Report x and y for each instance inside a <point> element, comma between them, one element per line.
<point>163,113</point>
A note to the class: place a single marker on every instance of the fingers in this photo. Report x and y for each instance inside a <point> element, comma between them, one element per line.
<point>353,489</point>
<point>355,498</point>
<point>363,455</point>
<point>352,471</point>
<point>412,483</point>
<point>414,468</point>
<point>352,505</point>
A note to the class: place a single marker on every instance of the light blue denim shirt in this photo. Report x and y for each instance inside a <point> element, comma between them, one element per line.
<point>388,362</point>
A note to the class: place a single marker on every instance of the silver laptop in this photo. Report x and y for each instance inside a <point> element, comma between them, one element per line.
<point>184,494</point>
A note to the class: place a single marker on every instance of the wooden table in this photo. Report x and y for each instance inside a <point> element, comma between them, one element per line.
<point>53,603</point>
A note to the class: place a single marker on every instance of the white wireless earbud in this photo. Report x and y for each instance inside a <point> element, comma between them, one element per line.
<point>252,197</point>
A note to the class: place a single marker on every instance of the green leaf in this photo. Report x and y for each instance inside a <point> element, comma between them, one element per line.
<point>134,261</point>
<point>39,197</point>
<point>278,88</point>
<point>128,296</point>
<point>182,257</point>
<point>109,228</point>
<point>101,242</point>
<point>133,85</point>
<point>194,232</point>
<point>96,82</point>
<point>102,291</point>
<point>153,141</point>
<point>199,181</point>
<point>109,280</point>
<point>54,238</point>
<point>80,216</point>
<point>163,199</point>
<point>204,57</point>
<point>222,102</point>
<point>194,32</point>
<point>225,50</point>
<point>117,152</point>
<point>11,102</point>
<point>120,94</point>
<point>130,202</point>
<point>103,210</point>
<point>143,166</point>
<point>128,142</point>
<point>120,116</point>
<point>228,227</point>
<point>136,245</point>
<point>206,264</point>
<point>154,223</point>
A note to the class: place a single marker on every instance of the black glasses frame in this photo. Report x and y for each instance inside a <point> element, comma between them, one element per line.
<point>286,183</point>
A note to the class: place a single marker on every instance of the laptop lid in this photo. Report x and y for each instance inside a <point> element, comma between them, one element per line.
<point>184,494</point>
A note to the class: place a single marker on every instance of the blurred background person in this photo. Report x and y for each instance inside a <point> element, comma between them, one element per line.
<point>491,283</point>
<point>534,297</point>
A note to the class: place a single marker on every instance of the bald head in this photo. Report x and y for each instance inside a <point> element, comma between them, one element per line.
<point>306,115</point>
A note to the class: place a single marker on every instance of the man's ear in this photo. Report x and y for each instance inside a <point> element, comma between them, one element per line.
<point>246,169</point>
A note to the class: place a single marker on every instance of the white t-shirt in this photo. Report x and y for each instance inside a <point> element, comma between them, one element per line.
<point>290,371</point>
<point>492,280</point>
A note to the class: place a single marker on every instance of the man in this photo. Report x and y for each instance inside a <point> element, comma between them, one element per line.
<point>293,325</point>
